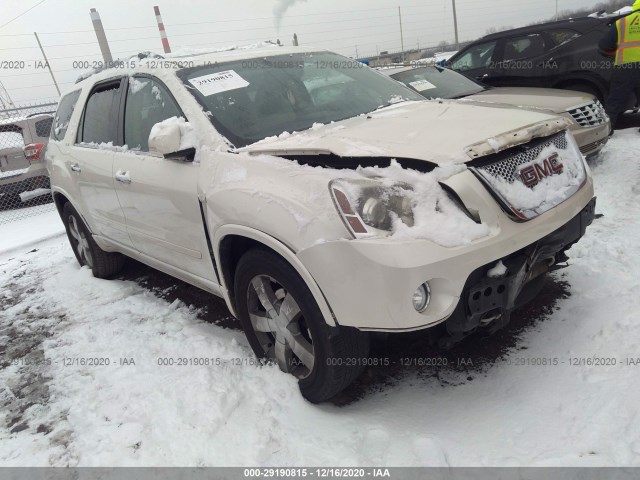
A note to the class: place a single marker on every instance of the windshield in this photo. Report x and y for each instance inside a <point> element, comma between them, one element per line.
<point>433,82</point>
<point>249,100</point>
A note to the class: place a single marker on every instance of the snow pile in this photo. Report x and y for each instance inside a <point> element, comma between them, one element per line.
<point>31,194</point>
<point>436,217</point>
<point>105,146</point>
<point>498,270</point>
<point>622,11</point>
<point>188,136</point>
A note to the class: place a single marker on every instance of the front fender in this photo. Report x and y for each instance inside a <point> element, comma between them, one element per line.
<point>280,248</point>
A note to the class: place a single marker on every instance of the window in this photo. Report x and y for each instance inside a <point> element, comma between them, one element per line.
<point>63,115</point>
<point>433,82</point>
<point>11,137</point>
<point>560,37</point>
<point>248,101</point>
<point>478,56</point>
<point>519,48</point>
<point>43,127</point>
<point>98,118</point>
<point>148,103</point>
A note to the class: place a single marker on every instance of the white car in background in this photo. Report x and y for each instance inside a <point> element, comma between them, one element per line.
<point>320,199</point>
<point>23,174</point>
<point>589,122</point>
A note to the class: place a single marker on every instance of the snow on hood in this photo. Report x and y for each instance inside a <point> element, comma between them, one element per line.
<point>436,217</point>
<point>441,132</point>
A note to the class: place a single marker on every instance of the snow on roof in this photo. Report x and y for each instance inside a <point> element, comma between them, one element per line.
<point>617,13</point>
<point>204,56</point>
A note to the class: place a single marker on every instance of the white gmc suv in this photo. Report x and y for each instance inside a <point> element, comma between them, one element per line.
<point>322,200</point>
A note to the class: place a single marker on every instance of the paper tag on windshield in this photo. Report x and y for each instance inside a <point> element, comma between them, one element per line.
<point>218,82</point>
<point>422,85</point>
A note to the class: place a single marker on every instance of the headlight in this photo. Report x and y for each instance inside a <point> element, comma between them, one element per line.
<point>368,203</point>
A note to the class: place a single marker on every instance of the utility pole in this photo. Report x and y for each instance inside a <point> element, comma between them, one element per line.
<point>102,38</point>
<point>401,33</point>
<point>47,63</point>
<point>455,24</point>
<point>295,40</point>
<point>357,54</point>
<point>556,10</point>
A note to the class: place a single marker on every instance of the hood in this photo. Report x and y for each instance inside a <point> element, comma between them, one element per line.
<point>551,100</point>
<point>440,132</point>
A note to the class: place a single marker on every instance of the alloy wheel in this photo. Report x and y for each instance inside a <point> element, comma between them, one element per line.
<point>280,326</point>
<point>81,242</point>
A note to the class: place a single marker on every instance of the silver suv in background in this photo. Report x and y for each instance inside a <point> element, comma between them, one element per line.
<point>23,173</point>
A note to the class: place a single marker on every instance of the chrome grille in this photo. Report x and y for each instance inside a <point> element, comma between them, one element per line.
<point>508,170</point>
<point>585,149</point>
<point>589,115</point>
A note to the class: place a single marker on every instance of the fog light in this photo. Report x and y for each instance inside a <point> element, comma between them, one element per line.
<point>421,297</point>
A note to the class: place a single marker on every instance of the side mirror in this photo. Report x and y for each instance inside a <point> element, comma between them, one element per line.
<point>165,138</point>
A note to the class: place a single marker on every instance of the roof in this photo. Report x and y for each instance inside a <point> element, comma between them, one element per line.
<point>581,23</point>
<point>195,58</point>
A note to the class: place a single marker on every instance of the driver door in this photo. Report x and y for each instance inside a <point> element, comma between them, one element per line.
<point>159,196</point>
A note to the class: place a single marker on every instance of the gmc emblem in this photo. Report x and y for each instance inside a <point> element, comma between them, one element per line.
<point>533,174</point>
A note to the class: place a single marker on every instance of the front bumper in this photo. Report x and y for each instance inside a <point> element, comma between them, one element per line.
<point>591,139</point>
<point>369,284</point>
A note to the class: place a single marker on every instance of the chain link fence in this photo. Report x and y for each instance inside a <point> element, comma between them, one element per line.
<point>24,181</point>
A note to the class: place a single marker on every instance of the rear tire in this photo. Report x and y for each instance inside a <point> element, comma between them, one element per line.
<point>102,264</point>
<point>284,324</point>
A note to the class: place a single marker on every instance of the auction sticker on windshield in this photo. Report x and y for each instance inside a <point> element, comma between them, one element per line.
<point>422,85</point>
<point>218,82</point>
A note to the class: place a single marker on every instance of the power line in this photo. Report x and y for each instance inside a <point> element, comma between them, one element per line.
<point>26,11</point>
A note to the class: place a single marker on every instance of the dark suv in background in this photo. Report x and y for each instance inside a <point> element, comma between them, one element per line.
<point>561,54</point>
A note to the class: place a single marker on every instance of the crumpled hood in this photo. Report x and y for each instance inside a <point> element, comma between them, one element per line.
<point>553,100</point>
<point>440,132</point>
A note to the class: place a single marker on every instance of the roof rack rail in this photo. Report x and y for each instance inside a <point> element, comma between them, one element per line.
<point>139,56</point>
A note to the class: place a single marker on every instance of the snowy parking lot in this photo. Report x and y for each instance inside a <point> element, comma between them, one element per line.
<point>144,370</point>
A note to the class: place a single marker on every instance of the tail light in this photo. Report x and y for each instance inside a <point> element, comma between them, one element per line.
<point>33,151</point>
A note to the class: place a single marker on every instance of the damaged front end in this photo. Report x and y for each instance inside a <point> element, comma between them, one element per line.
<point>487,301</point>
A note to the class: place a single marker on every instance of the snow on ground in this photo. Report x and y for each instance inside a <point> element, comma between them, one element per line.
<point>36,224</point>
<point>55,410</point>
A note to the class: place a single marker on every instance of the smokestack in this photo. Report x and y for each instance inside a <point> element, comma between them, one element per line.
<point>163,33</point>
<point>102,38</point>
<point>295,39</point>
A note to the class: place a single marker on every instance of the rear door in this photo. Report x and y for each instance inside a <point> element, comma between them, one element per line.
<point>159,196</point>
<point>92,161</point>
<point>524,61</point>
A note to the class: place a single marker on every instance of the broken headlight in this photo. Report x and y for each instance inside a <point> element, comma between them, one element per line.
<point>369,207</point>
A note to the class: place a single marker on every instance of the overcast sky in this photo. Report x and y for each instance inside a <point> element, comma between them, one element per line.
<point>365,26</point>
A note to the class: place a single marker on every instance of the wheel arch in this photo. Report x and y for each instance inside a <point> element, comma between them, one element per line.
<point>230,242</point>
<point>60,198</point>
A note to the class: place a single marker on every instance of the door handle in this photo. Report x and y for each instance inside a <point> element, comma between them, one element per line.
<point>123,177</point>
<point>482,77</point>
<point>76,168</point>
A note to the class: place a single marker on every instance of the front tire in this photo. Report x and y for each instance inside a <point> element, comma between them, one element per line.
<point>102,264</point>
<point>283,324</point>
